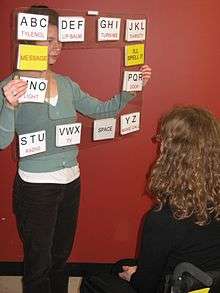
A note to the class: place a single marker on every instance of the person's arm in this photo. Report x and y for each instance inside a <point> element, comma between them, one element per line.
<point>6,120</point>
<point>10,91</point>
<point>158,239</point>
<point>95,108</point>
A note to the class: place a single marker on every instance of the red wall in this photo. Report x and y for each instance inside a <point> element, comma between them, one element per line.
<point>183,51</point>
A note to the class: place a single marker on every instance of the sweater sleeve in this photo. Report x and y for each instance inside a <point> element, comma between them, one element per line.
<point>94,108</point>
<point>157,241</point>
<point>7,125</point>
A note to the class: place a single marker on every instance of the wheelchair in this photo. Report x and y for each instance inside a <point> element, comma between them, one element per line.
<point>187,278</point>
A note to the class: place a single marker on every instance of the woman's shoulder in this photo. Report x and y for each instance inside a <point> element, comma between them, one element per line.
<point>156,214</point>
<point>164,218</point>
<point>163,222</point>
<point>65,78</point>
<point>5,80</point>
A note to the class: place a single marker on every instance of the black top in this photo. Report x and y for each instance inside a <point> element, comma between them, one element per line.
<point>167,242</point>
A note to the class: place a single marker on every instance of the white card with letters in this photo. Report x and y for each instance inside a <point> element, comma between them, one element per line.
<point>135,30</point>
<point>32,27</point>
<point>104,129</point>
<point>36,90</point>
<point>68,134</point>
<point>132,81</point>
<point>130,123</point>
<point>109,29</point>
<point>71,28</point>
<point>32,143</point>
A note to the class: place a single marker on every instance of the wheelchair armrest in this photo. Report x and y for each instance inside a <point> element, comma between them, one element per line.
<point>195,272</point>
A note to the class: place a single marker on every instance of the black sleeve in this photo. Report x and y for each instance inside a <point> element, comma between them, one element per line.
<point>158,238</point>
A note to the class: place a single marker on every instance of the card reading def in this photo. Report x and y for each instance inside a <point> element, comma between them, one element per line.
<point>71,29</point>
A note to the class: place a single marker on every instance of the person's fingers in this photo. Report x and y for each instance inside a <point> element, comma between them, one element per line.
<point>146,72</point>
<point>122,275</point>
<point>15,90</point>
<point>125,268</point>
<point>15,83</point>
<point>13,96</point>
<point>21,93</point>
<point>146,75</point>
<point>12,101</point>
<point>145,69</point>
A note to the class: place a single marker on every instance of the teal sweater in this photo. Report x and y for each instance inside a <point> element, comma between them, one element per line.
<point>32,117</point>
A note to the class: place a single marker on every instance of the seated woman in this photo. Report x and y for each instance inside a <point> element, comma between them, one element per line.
<point>184,226</point>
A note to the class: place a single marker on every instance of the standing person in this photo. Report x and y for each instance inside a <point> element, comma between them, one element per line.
<point>185,181</point>
<point>47,185</point>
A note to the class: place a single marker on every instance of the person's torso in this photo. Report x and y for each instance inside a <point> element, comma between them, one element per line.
<point>41,120</point>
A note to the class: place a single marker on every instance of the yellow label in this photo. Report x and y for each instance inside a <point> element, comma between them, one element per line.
<point>205,290</point>
<point>134,54</point>
<point>32,57</point>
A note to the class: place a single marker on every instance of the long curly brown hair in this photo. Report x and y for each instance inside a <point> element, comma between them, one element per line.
<point>187,173</point>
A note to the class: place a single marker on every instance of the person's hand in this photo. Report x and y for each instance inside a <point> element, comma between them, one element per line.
<point>127,272</point>
<point>146,73</point>
<point>13,90</point>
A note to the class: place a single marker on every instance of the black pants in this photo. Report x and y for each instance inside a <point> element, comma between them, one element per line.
<point>105,283</point>
<point>46,217</point>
